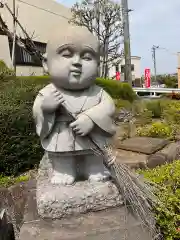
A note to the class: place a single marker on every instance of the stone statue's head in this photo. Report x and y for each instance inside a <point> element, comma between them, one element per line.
<point>72,58</point>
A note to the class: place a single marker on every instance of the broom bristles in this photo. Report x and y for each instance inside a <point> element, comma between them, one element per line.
<point>137,194</point>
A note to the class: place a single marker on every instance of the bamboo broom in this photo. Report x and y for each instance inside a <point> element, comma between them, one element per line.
<point>137,194</point>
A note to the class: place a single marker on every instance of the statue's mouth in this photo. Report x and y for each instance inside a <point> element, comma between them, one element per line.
<point>76,72</point>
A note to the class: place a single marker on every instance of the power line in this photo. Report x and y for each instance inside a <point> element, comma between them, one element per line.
<point>43,9</point>
<point>167,50</point>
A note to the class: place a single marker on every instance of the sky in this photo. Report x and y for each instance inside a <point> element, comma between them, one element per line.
<point>154,22</point>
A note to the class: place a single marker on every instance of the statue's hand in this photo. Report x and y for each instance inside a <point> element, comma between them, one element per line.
<point>52,102</point>
<point>83,125</point>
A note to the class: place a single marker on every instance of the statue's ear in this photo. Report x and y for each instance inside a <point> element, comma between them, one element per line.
<point>44,63</point>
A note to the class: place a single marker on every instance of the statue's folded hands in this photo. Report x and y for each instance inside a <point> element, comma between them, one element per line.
<point>82,125</point>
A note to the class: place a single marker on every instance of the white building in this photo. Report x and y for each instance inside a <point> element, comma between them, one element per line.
<point>135,67</point>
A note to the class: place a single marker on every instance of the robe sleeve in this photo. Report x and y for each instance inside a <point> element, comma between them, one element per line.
<point>44,122</point>
<point>102,114</point>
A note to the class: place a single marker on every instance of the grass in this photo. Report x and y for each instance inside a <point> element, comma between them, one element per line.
<point>9,181</point>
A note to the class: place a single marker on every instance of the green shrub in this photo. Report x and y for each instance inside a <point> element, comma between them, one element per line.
<point>155,107</point>
<point>117,89</point>
<point>171,112</point>
<point>171,81</point>
<point>20,149</point>
<point>167,187</point>
<point>5,72</point>
<point>142,115</point>
<point>120,103</point>
<point>9,181</point>
<point>157,129</point>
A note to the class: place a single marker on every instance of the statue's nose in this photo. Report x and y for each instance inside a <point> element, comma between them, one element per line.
<point>77,60</point>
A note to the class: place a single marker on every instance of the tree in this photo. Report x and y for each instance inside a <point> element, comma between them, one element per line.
<point>103,19</point>
<point>170,80</point>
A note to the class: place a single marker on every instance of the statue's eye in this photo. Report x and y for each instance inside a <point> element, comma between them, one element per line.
<point>67,53</point>
<point>87,56</point>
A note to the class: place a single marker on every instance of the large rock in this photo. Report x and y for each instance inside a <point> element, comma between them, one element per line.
<point>135,159</point>
<point>144,145</point>
<point>166,155</point>
<point>13,200</point>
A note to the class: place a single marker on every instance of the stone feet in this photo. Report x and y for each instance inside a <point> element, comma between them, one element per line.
<point>65,169</point>
<point>64,172</point>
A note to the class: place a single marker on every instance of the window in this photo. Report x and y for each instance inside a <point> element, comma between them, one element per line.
<point>123,68</point>
<point>22,57</point>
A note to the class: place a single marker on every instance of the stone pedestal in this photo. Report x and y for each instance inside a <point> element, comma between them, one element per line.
<point>110,224</point>
<point>62,201</point>
<point>56,201</point>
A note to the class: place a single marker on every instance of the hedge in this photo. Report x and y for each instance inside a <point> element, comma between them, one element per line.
<point>117,89</point>
<point>5,72</point>
<point>20,149</point>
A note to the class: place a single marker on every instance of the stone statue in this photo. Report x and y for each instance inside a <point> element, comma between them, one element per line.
<point>72,62</point>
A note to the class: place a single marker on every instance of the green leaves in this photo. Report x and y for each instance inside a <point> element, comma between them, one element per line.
<point>8,181</point>
<point>157,129</point>
<point>5,72</point>
<point>167,186</point>
<point>117,90</point>
<point>19,147</point>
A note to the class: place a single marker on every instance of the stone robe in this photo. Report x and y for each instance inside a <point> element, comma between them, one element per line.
<point>54,131</point>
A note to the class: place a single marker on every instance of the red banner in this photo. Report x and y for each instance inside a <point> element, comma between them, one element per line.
<point>147,78</point>
<point>118,76</point>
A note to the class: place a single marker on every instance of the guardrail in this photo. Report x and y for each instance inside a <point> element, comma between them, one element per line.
<point>154,91</point>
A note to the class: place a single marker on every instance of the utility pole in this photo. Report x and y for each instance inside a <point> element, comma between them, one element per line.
<point>154,48</point>
<point>127,48</point>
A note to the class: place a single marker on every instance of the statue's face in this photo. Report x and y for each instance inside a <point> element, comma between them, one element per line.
<point>73,66</point>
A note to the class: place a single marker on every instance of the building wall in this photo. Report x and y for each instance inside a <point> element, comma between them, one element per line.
<point>38,23</point>
<point>136,61</point>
